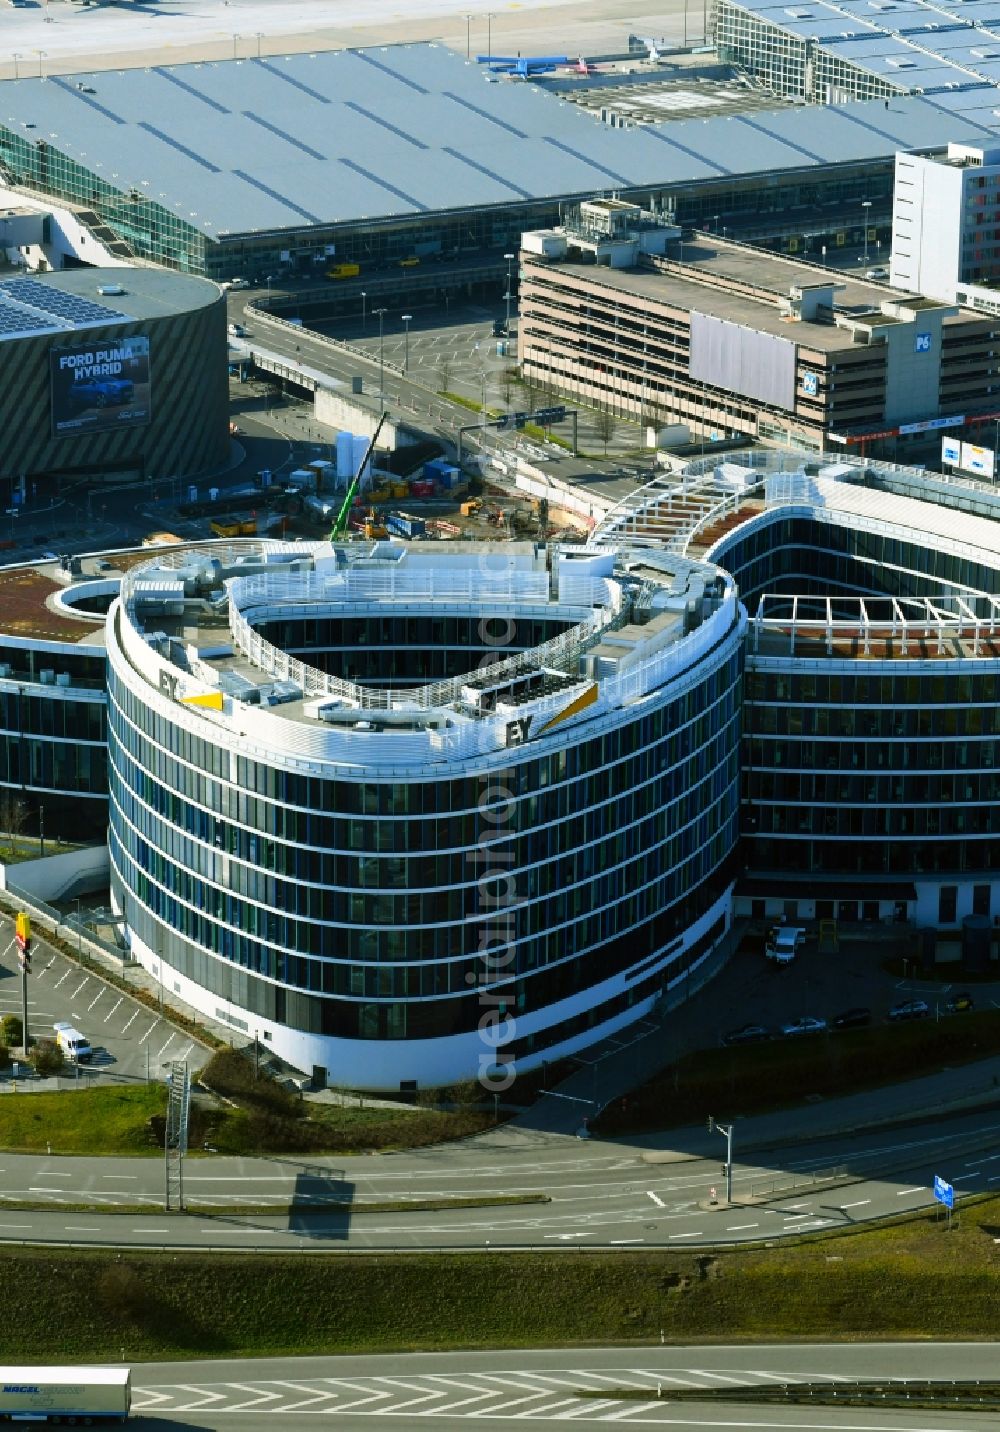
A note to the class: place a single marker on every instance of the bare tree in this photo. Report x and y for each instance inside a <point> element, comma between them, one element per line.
<point>13,814</point>
<point>444,375</point>
<point>605,426</point>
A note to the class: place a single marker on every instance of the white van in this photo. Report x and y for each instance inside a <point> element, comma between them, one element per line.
<point>783,943</point>
<point>236,330</point>
<point>72,1043</point>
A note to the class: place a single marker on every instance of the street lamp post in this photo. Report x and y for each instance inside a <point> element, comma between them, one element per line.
<point>507,295</point>
<point>380,313</point>
<point>260,36</point>
<point>865,206</point>
<point>727,1131</point>
<point>269,278</point>
<point>364,311</point>
<point>15,57</point>
<point>489,32</point>
<point>42,55</point>
<point>468,37</point>
<point>407,319</point>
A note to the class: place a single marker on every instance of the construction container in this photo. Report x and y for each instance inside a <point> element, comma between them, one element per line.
<point>400,524</point>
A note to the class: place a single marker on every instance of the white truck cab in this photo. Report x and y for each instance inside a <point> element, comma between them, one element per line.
<point>72,1043</point>
<point>784,943</point>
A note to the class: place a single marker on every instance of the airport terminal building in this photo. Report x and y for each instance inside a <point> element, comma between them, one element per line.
<point>285,165</point>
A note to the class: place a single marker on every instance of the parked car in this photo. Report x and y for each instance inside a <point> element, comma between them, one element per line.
<point>808,1024</point>
<point>852,1018</point>
<point>960,1003</point>
<point>748,1034</point>
<point>880,273</point>
<point>910,1009</point>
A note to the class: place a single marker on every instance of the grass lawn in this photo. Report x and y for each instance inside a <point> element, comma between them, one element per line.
<point>751,1078</point>
<point>113,1120</point>
<point>911,1280</point>
<point>105,1120</point>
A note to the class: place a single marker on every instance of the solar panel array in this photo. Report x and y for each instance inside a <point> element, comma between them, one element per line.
<point>28,305</point>
<point>258,146</point>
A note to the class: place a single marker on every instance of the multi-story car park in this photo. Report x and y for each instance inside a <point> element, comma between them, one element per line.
<point>735,342</point>
<point>332,827</point>
<point>284,166</point>
<point>112,371</point>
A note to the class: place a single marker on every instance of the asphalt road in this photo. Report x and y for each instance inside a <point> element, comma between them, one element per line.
<point>650,1194</point>
<point>539,1387</point>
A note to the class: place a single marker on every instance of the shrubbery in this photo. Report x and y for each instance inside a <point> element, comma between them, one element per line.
<point>12,1031</point>
<point>47,1058</point>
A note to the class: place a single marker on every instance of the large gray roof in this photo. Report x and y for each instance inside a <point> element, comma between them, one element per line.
<point>249,146</point>
<point>938,47</point>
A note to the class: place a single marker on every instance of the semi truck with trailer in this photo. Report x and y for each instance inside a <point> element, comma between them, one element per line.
<point>89,1396</point>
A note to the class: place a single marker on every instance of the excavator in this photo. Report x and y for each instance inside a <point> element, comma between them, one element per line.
<point>340,522</point>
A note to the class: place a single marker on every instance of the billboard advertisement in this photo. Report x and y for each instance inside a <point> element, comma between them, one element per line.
<point>951,452</point>
<point>978,460</point>
<point>100,385</point>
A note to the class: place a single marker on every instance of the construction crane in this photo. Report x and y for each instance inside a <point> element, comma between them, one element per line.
<point>340,524</point>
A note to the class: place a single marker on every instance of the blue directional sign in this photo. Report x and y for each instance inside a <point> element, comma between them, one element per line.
<point>944,1192</point>
<point>922,343</point>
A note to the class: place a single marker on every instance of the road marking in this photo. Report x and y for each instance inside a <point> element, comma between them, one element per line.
<point>51,1173</point>
<point>159,1052</point>
<point>15,1225</point>
<point>860,1203</point>
<point>132,1020</point>
<point>113,1008</point>
<point>33,1189</point>
<point>121,1177</point>
<point>685,1235</point>
<point>61,978</point>
<point>100,994</point>
<point>902,1192</point>
<point>738,1227</point>
<point>144,1037</point>
<point>81,1228</point>
<point>656,1199</point>
<point>150,1230</point>
<point>618,1242</point>
<point>79,987</point>
<point>242,1387</point>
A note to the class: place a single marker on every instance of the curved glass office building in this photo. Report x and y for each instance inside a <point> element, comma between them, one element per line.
<point>415,814</point>
<point>871,757</point>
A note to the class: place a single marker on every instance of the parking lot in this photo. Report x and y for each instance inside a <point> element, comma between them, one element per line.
<point>130,1041</point>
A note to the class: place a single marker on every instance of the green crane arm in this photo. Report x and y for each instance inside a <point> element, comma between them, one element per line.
<point>337,530</point>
